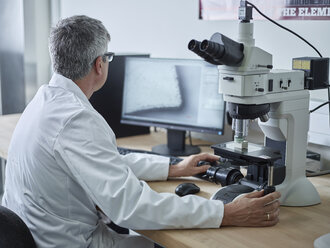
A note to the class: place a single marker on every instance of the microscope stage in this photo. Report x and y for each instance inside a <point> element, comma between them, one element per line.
<point>253,154</point>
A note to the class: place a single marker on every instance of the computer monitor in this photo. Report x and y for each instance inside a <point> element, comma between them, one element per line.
<point>108,100</point>
<point>177,94</point>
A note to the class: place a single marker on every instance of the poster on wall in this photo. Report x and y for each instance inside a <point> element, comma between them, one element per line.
<point>275,9</point>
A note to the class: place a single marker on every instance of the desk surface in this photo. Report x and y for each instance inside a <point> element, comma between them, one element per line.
<point>298,226</point>
<point>7,126</point>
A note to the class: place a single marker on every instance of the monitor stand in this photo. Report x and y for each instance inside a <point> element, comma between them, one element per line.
<point>176,145</point>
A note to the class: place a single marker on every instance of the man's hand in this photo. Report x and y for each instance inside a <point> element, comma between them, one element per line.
<point>253,209</point>
<point>188,166</point>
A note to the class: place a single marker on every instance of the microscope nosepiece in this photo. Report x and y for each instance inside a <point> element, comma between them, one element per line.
<point>248,111</point>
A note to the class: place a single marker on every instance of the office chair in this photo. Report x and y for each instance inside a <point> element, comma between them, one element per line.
<point>13,231</point>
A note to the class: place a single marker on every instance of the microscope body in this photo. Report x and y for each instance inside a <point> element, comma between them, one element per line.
<point>279,99</point>
<point>284,114</point>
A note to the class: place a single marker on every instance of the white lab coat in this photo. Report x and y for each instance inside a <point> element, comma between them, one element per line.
<point>63,161</point>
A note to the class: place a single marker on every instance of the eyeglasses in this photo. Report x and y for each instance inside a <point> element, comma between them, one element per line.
<point>109,56</point>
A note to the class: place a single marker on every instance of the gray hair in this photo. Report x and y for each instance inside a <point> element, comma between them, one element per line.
<point>75,43</point>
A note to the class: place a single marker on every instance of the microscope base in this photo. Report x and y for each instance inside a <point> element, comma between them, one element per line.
<point>298,193</point>
<point>231,192</point>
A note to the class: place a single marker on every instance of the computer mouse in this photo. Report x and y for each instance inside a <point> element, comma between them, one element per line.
<point>186,189</point>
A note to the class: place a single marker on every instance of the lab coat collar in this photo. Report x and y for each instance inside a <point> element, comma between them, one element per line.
<point>59,80</point>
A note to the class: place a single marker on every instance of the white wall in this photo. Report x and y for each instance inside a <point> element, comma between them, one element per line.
<point>164,28</point>
<point>36,56</point>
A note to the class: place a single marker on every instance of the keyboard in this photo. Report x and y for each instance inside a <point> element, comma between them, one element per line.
<point>125,151</point>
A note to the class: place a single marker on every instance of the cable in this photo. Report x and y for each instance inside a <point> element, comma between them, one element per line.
<point>321,105</point>
<point>283,27</point>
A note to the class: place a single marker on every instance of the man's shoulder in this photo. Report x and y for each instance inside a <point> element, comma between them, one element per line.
<point>52,109</point>
<point>65,102</point>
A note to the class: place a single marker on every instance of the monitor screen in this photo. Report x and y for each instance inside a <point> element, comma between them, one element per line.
<point>177,94</point>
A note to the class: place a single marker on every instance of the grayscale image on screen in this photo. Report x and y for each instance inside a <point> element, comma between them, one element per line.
<point>173,93</point>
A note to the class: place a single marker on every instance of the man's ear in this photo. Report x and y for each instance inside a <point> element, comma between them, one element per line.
<point>98,65</point>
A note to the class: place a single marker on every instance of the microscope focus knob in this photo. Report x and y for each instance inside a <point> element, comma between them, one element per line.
<point>269,189</point>
<point>229,78</point>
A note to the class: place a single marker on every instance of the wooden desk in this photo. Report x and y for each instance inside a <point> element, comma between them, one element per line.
<point>7,126</point>
<point>298,227</point>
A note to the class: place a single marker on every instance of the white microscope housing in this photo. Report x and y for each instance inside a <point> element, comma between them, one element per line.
<point>253,83</point>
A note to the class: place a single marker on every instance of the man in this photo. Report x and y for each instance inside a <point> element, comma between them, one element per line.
<point>63,163</point>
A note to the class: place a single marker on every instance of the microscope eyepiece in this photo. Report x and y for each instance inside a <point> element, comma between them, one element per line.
<point>194,46</point>
<point>214,49</point>
<point>219,50</point>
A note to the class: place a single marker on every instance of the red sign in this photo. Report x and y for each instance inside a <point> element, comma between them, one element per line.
<point>275,9</point>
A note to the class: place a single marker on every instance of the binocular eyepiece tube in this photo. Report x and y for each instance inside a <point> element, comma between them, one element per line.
<point>194,46</point>
<point>219,50</point>
<point>215,50</point>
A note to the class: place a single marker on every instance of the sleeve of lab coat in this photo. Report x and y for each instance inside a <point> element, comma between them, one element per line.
<point>85,148</point>
<point>147,167</point>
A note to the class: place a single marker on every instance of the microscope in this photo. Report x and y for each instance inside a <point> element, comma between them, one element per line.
<point>279,99</point>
